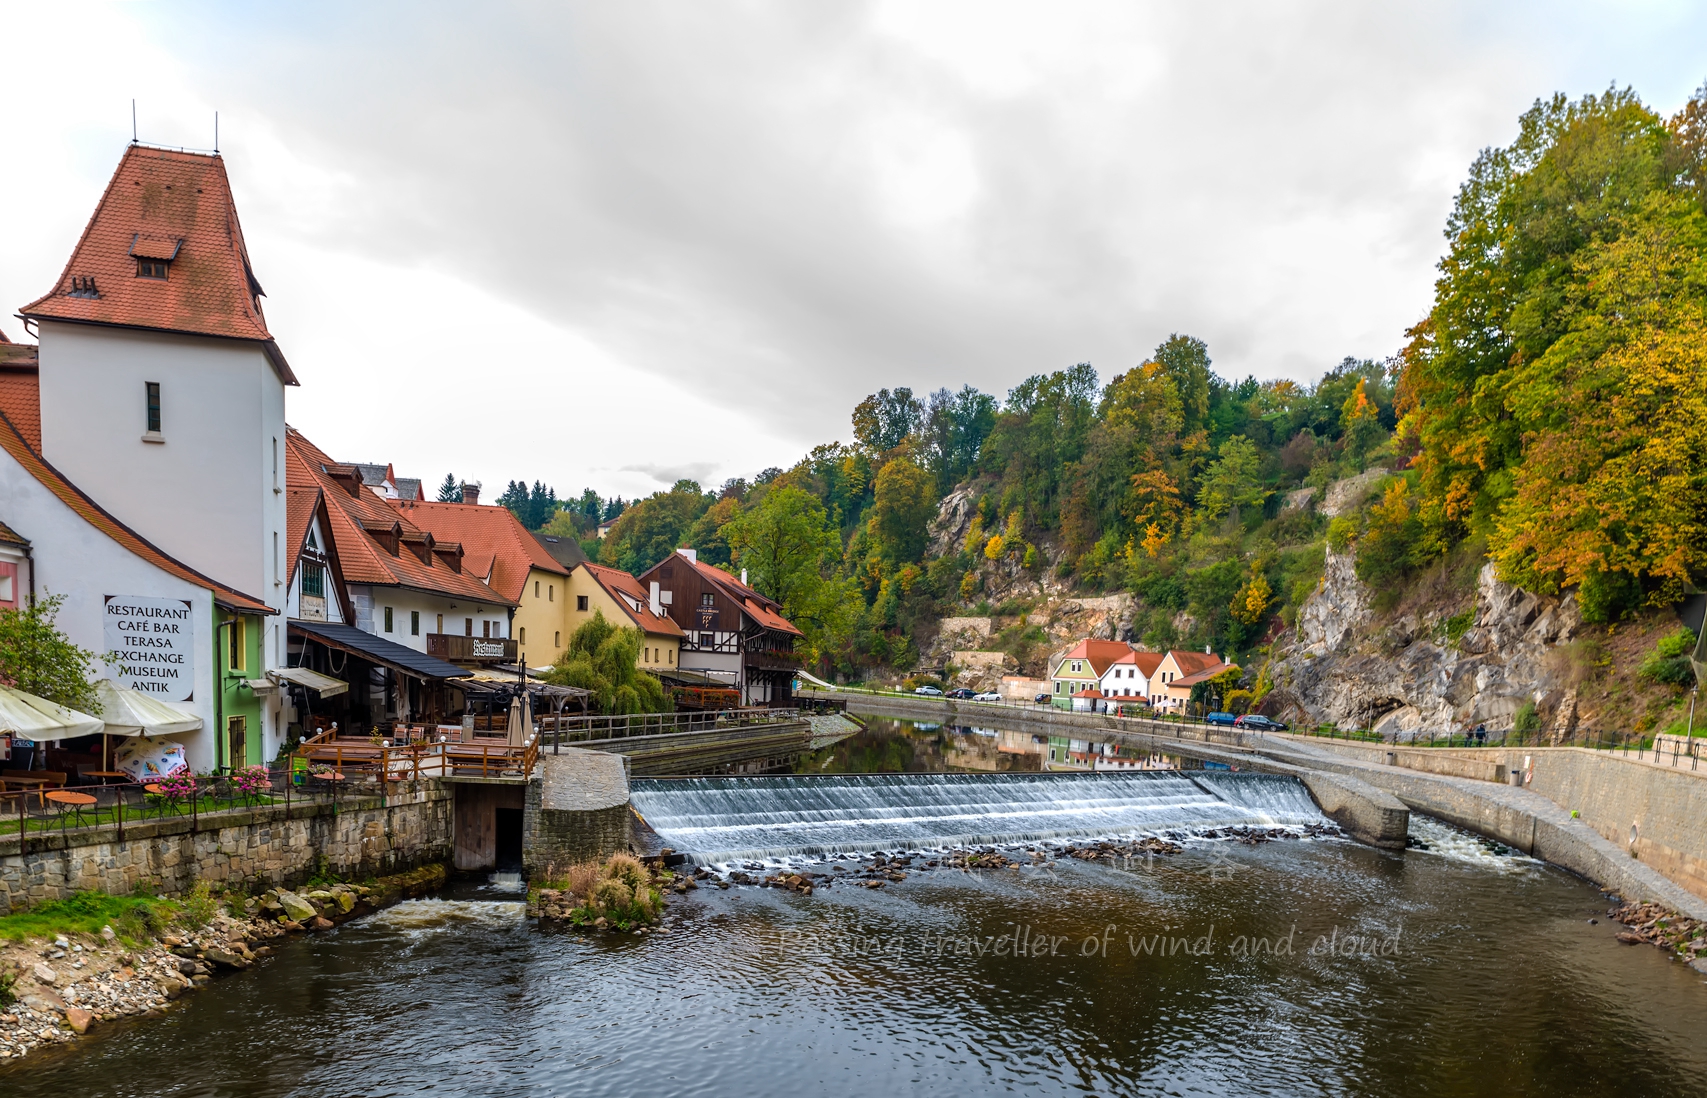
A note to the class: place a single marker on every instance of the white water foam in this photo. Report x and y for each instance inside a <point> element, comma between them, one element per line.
<point>425,915</point>
<point>718,820</point>
<point>1456,845</point>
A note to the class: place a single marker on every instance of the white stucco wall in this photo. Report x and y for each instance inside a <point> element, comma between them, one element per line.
<point>1125,680</point>
<point>208,495</point>
<point>403,599</point>
<point>74,559</point>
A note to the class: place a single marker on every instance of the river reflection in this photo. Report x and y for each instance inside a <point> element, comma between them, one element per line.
<point>887,746</point>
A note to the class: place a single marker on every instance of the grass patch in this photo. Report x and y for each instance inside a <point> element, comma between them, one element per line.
<point>136,919</point>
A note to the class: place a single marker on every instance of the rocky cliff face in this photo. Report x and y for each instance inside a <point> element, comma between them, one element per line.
<point>1426,670</point>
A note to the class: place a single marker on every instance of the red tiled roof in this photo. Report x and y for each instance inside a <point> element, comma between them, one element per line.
<point>172,205</point>
<point>12,441</point>
<point>487,531</point>
<point>9,536</point>
<point>1204,675</point>
<point>1146,662</point>
<point>617,583</point>
<point>1098,653</point>
<point>765,611</point>
<point>301,501</point>
<point>1190,663</point>
<point>357,520</point>
<point>20,389</point>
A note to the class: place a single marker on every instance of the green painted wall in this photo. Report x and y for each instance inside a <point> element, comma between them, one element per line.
<point>236,699</point>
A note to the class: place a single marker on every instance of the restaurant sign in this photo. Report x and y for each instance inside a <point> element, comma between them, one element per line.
<point>153,642</point>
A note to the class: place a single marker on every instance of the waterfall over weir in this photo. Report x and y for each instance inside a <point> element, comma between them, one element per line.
<point>724,819</point>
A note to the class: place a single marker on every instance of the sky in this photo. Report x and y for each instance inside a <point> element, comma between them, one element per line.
<point>616,244</point>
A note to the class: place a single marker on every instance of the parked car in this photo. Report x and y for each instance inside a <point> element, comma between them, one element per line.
<point>1221,718</point>
<point>987,696</point>
<point>931,691</point>
<point>962,692</point>
<point>1042,699</point>
<point>1260,723</point>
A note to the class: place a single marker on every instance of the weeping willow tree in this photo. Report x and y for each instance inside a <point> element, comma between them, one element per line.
<point>604,659</point>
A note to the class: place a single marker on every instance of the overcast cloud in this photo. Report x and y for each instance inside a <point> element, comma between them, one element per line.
<point>618,243</point>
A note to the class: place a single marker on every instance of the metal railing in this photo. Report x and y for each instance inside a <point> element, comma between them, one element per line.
<point>30,811</point>
<point>1658,748</point>
<point>585,729</point>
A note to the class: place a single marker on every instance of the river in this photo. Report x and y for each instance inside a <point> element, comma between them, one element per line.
<point>1295,967</point>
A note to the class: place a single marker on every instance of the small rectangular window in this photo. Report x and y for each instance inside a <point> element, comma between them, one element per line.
<point>414,623</point>
<point>557,639</point>
<point>468,627</point>
<point>153,388</point>
<point>151,268</point>
<point>234,645</point>
<point>706,640</point>
<point>672,656</point>
<point>536,589</point>
<point>388,619</point>
<point>581,602</point>
<point>314,579</point>
<point>486,630</point>
<point>706,599</point>
<point>523,638</point>
<point>551,592</point>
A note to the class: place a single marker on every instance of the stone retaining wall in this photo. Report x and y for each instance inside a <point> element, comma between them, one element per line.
<point>356,838</point>
<point>1610,792</point>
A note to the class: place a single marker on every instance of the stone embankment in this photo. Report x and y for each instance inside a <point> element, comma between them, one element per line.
<point>64,987</point>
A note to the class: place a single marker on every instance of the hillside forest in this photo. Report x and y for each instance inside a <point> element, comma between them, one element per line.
<point>1548,412</point>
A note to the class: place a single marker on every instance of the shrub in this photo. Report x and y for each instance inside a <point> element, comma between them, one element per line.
<point>628,870</point>
<point>199,907</point>
<point>611,897</point>
<point>1341,533</point>
<point>1238,702</point>
<point>1527,719</point>
<point>1669,661</point>
<point>140,924</point>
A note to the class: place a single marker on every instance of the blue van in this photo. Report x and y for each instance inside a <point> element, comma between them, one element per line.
<point>1220,718</point>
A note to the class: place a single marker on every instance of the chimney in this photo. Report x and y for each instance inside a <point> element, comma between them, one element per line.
<point>690,554</point>
<point>471,493</point>
<point>1208,650</point>
<point>657,607</point>
<point>743,577</point>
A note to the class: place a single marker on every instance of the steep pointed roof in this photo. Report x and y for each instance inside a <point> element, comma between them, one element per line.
<point>767,612</point>
<point>162,204</point>
<point>1146,662</point>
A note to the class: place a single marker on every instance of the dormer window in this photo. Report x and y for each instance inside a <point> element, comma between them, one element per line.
<point>153,256</point>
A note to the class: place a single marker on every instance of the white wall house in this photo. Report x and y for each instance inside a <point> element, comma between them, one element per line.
<point>1128,677</point>
<point>82,553</point>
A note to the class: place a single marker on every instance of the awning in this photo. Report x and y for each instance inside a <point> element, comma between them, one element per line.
<point>31,718</point>
<point>133,713</point>
<point>324,685</point>
<point>406,661</point>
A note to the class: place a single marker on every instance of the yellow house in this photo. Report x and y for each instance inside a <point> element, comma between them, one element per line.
<point>595,588</point>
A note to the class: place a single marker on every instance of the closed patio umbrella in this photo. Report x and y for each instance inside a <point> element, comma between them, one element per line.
<point>521,720</point>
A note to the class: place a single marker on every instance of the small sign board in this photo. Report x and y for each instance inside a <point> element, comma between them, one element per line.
<point>154,640</point>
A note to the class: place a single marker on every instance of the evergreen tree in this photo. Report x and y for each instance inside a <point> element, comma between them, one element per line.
<point>450,491</point>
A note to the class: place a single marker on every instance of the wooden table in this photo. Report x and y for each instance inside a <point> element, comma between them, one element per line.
<point>106,775</point>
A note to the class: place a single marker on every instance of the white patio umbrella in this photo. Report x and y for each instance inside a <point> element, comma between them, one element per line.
<point>31,718</point>
<point>129,712</point>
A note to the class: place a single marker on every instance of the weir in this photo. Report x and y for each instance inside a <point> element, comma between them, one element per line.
<point>722,819</point>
